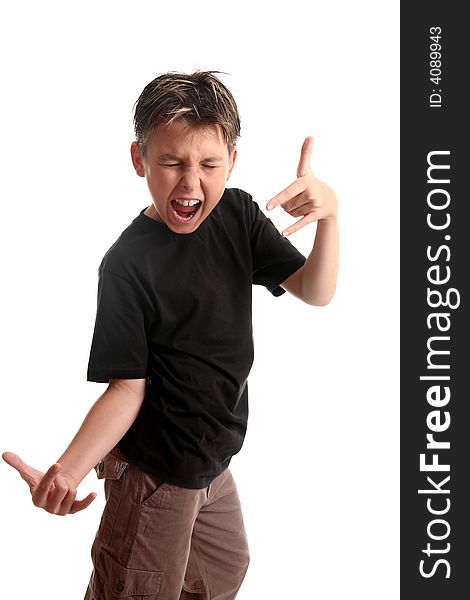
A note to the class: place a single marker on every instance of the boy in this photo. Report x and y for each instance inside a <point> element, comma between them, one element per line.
<point>173,340</point>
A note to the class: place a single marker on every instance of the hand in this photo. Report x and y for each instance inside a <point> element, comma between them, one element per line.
<point>307,196</point>
<point>54,491</point>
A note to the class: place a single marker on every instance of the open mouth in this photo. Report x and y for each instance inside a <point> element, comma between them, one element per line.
<point>185,210</point>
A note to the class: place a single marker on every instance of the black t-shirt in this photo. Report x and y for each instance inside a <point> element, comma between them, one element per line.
<point>176,309</point>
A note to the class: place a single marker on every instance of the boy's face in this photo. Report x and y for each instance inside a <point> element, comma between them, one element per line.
<point>186,169</point>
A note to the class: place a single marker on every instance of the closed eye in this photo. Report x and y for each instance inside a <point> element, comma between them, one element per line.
<point>171,165</point>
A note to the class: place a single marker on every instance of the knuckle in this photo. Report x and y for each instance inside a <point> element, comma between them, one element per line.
<point>298,186</point>
<point>61,487</point>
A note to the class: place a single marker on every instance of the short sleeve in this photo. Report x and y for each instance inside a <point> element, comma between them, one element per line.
<point>119,346</point>
<point>274,258</point>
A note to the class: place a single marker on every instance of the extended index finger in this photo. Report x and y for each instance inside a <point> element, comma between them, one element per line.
<point>42,491</point>
<point>14,461</point>
<point>305,156</point>
<point>27,473</point>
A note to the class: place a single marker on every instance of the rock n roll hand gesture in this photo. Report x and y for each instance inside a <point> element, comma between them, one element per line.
<point>312,200</point>
<point>53,491</point>
<point>307,196</point>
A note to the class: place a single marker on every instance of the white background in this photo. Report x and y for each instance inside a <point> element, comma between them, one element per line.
<point>318,474</point>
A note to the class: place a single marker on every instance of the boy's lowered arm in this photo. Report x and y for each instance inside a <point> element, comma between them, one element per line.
<point>105,424</point>
<point>312,200</point>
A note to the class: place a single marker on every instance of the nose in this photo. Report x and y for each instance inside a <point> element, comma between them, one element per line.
<point>190,179</point>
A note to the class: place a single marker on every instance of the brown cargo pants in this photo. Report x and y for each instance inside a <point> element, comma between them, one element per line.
<point>158,541</point>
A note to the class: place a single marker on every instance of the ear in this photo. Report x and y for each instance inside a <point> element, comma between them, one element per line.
<point>232,161</point>
<point>137,160</point>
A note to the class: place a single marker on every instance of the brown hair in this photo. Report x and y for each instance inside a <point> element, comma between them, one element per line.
<point>200,98</point>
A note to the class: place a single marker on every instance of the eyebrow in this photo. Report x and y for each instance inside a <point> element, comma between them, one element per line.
<point>211,159</point>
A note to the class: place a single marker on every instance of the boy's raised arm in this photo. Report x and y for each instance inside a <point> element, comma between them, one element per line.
<point>105,424</point>
<point>312,200</point>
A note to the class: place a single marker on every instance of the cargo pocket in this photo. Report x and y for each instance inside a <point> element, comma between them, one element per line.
<point>111,581</point>
<point>111,467</point>
<point>113,470</point>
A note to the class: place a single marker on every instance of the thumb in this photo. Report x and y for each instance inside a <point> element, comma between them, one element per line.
<point>30,475</point>
<point>305,155</point>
